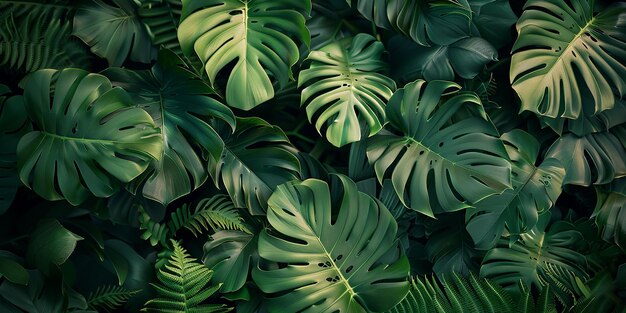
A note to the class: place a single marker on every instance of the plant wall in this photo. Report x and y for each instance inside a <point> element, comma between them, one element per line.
<point>312,156</point>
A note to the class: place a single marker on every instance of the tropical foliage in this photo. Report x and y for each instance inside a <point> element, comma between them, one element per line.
<point>312,156</point>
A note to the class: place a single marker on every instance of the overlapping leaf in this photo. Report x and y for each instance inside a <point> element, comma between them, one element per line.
<point>114,32</point>
<point>87,137</point>
<point>441,22</point>
<point>256,159</point>
<point>441,165</point>
<point>180,105</point>
<point>535,190</point>
<point>347,262</point>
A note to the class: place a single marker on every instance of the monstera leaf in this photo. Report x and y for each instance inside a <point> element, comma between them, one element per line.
<point>87,136</point>
<point>332,20</point>
<point>441,22</point>
<point>443,165</point>
<point>564,51</point>
<point>593,159</point>
<point>610,212</point>
<point>13,125</point>
<point>493,20</point>
<point>450,247</point>
<point>179,104</point>
<point>229,253</point>
<point>535,189</point>
<point>345,88</point>
<point>114,32</point>
<point>256,159</point>
<point>466,57</point>
<point>531,258</point>
<point>257,34</point>
<point>347,262</point>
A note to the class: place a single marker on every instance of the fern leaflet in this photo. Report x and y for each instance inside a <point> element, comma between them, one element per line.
<point>183,286</point>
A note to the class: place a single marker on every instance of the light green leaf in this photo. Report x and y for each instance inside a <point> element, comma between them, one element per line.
<point>50,243</point>
<point>535,190</point>
<point>345,88</point>
<point>347,262</point>
<point>180,105</point>
<point>88,138</point>
<point>114,32</point>
<point>562,52</point>
<point>183,286</point>
<point>444,166</point>
<point>255,35</point>
<point>256,158</point>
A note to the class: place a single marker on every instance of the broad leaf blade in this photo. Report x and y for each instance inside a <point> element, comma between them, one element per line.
<point>345,264</point>
<point>88,137</point>
<point>442,166</point>
<point>345,89</point>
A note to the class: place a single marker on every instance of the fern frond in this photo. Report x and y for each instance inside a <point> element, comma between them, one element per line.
<point>184,286</point>
<point>217,212</point>
<point>162,18</point>
<point>109,297</point>
<point>38,35</point>
<point>152,231</point>
<point>455,294</point>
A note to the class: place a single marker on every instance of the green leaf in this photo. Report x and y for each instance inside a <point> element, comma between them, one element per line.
<point>442,165</point>
<point>440,22</point>
<point>50,243</point>
<point>345,88</point>
<point>586,123</point>
<point>12,270</point>
<point>493,19</point>
<point>529,258</point>
<point>466,57</point>
<point>39,35</point>
<point>610,212</point>
<point>114,32</point>
<point>183,286</point>
<point>162,18</point>
<point>13,125</point>
<point>229,254</point>
<point>597,158</point>
<point>88,136</point>
<point>256,159</point>
<point>332,20</point>
<point>255,35</point>
<point>180,105</point>
<point>535,190</point>
<point>347,263</point>
<point>132,270</point>
<point>562,52</point>
<point>450,247</point>
<point>456,293</point>
<point>109,297</point>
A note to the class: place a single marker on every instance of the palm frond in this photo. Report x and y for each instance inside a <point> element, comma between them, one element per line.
<point>184,286</point>
<point>38,35</point>
<point>109,297</point>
